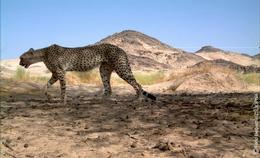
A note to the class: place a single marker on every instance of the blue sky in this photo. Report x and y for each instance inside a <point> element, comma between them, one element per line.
<point>187,24</point>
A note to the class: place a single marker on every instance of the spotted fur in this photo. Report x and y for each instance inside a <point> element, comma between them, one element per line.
<point>61,59</point>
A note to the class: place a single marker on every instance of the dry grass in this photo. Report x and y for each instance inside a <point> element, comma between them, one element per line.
<point>251,78</point>
<point>22,75</point>
<point>89,77</point>
<point>93,77</point>
<point>144,78</point>
<point>149,78</point>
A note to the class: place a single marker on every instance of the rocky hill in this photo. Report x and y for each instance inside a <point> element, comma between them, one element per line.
<point>159,55</point>
<point>257,56</point>
<point>228,64</point>
<point>212,53</point>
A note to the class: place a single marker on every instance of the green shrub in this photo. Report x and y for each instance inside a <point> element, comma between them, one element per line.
<point>251,78</point>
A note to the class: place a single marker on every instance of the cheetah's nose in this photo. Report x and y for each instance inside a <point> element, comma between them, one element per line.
<point>23,64</point>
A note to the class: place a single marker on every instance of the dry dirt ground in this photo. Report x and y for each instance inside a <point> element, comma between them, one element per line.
<point>176,125</point>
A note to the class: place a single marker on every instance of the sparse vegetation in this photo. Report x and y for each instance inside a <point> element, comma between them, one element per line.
<point>148,78</point>
<point>93,77</point>
<point>22,75</point>
<point>42,79</point>
<point>251,78</point>
<point>143,78</point>
<point>90,77</point>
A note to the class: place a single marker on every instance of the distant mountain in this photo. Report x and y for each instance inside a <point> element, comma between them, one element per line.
<point>257,56</point>
<point>212,53</point>
<point>209,49</point>
<point>138,39</point>
<point>246,55</point>
<point>163,56</point>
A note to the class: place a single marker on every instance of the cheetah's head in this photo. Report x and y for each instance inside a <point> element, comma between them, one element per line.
<point>26,58</point>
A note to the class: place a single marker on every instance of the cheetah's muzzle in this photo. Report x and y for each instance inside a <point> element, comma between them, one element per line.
<point>24,64</point>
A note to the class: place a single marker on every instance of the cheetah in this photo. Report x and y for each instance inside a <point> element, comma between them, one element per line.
<point>60,59</point>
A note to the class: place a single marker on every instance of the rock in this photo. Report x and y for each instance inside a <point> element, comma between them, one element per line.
<point>133,145</point>
<point>164,145</point>
<point>26,145</point>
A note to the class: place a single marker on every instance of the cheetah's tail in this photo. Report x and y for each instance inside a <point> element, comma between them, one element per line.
<point>148,95</point>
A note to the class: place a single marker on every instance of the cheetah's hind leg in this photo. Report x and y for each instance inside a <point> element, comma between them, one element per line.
<point>105,73</point>
<point>124,71</point>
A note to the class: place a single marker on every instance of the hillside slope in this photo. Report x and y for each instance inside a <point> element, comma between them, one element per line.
<point>228,64</point>
<point>141,45</point>
<point>212,53</point>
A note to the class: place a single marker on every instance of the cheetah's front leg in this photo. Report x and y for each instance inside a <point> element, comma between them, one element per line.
<point>52,80</point>
<point>61,77</point>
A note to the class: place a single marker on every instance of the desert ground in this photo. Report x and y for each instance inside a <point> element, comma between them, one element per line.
<point>175,125</point>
